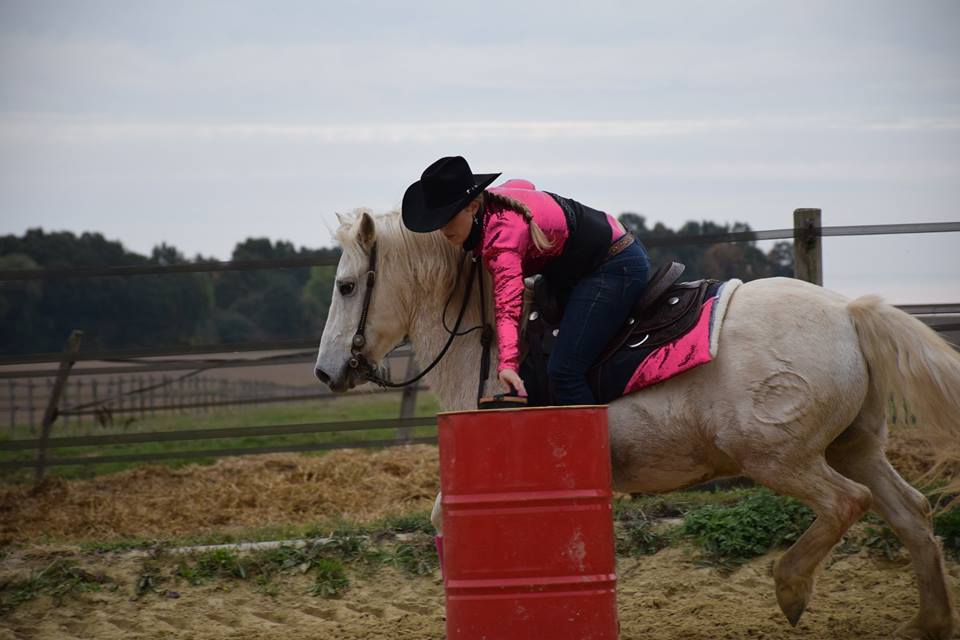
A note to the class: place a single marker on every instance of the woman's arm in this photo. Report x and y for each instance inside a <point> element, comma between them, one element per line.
<point>505,242</point>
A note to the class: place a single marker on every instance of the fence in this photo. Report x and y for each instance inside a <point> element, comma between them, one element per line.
<point>26,398</point>
<point>147,396</point>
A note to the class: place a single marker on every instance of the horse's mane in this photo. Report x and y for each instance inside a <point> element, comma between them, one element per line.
<point>427,259</point>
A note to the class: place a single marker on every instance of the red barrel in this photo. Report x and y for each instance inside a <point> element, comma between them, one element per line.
<point>528,546</point>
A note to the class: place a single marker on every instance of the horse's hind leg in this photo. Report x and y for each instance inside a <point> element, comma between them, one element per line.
<point>838,502</point>
<point>858,454</point>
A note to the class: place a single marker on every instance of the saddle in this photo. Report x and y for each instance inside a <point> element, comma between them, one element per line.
<point>664,312</point>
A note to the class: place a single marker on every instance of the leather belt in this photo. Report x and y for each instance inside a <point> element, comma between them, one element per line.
<point>618,246</point>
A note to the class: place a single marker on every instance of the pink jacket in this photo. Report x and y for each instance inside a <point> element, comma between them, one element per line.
<point>509,255</point>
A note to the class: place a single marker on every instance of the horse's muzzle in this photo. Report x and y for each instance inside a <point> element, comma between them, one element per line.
<point>341,383</point>
<point>322,376</point>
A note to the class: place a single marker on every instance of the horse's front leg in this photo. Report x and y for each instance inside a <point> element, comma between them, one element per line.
<point>436,516</point>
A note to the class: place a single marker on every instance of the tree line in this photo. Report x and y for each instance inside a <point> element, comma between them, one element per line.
<point>244,306</point>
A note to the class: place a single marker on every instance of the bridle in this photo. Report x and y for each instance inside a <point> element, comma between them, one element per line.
<point>365,369</point>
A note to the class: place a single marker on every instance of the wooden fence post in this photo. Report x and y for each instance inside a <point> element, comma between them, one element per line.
<point>807,246</point>
<point>66,363</point>
<point>408,401</point>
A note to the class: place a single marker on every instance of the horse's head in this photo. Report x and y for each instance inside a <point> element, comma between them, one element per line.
<point>385,325</point>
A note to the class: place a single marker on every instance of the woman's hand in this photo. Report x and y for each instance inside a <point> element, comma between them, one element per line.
<point>511,380</point>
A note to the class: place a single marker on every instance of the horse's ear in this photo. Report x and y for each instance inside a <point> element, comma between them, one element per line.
<point>366,232</point>
<point>342,219</point>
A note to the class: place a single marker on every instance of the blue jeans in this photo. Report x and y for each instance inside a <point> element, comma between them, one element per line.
<point>598,305</point>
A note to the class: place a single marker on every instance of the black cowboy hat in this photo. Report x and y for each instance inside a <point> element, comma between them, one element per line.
<point>445,187</point>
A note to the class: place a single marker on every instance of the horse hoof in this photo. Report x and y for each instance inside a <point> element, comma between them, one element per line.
<point>792,595</point>
<point>793,612</point>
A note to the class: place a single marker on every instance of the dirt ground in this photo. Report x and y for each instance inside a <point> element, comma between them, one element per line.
<point>259,491</point>
<point>668,595</point>
<point>660,597</point>
<point>155,501</point>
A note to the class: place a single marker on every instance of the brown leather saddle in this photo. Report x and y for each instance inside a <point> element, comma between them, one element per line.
<point>665,311</point>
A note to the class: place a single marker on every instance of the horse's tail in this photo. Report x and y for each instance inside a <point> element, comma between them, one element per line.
<point>908,359</point>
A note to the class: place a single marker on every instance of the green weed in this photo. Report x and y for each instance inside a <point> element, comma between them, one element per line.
<point>636,536</point>
<point>331,580</point>
<point>417,557</point>
<point>749,528</point>
<point>149,580</point>
<point>883,541</point>
<point>119,544</point>
<point>947,526</point>
<point>59,579</point>
<point>679,503</point>
<point>416,522</point>
<point>216,563</point>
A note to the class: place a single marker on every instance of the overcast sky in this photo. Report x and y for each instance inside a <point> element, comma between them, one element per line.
<point>203,123</point>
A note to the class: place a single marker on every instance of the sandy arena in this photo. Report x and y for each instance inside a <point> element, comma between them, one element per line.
<point>860,595</point>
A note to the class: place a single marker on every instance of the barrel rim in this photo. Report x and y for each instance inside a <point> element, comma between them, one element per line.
<point>518,409</point>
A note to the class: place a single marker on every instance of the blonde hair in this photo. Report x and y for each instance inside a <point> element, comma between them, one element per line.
<point>495,202</point>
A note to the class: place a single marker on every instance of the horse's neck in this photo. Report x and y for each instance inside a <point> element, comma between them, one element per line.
<point>456,377</point>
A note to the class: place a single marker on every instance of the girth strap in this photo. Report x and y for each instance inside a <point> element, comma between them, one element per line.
<point>486,338</point>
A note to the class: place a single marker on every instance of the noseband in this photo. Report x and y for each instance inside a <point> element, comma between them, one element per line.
<point>365,369</point>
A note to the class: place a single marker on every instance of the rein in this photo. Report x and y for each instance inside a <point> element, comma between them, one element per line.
<point>359,362</point>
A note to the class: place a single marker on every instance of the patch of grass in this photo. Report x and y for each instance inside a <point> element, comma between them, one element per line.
<point>848,546</point>
<point>239,535</point>
<point>344,531</point>
<point>679,503</point>
<point>119,545</point>
<point>268,587</point>
<point>57,580</point>
<point>269,562</point>
<point>753,526</point>
<point>331,580</point>
<point>417,557</point>
<point>415,522</point>
<point>636,536</point>
<point>321,557</point>
<point>947,526</point>
<point>149,579</point>
<point>883,541</point>
<point>216,563</point>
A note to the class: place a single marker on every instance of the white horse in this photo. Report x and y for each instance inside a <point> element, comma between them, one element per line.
<point>795,399</point>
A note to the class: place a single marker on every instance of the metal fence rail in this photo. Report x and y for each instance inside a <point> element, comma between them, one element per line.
<point>180,406</point>
<point>806,234</point>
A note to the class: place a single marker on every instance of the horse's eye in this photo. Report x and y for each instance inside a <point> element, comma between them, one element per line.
<point>346,288</point>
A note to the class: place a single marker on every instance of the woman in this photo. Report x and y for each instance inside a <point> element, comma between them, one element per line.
<point>598,269</point>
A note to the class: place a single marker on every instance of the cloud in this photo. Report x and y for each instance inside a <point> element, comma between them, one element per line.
<point>26,128</point>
